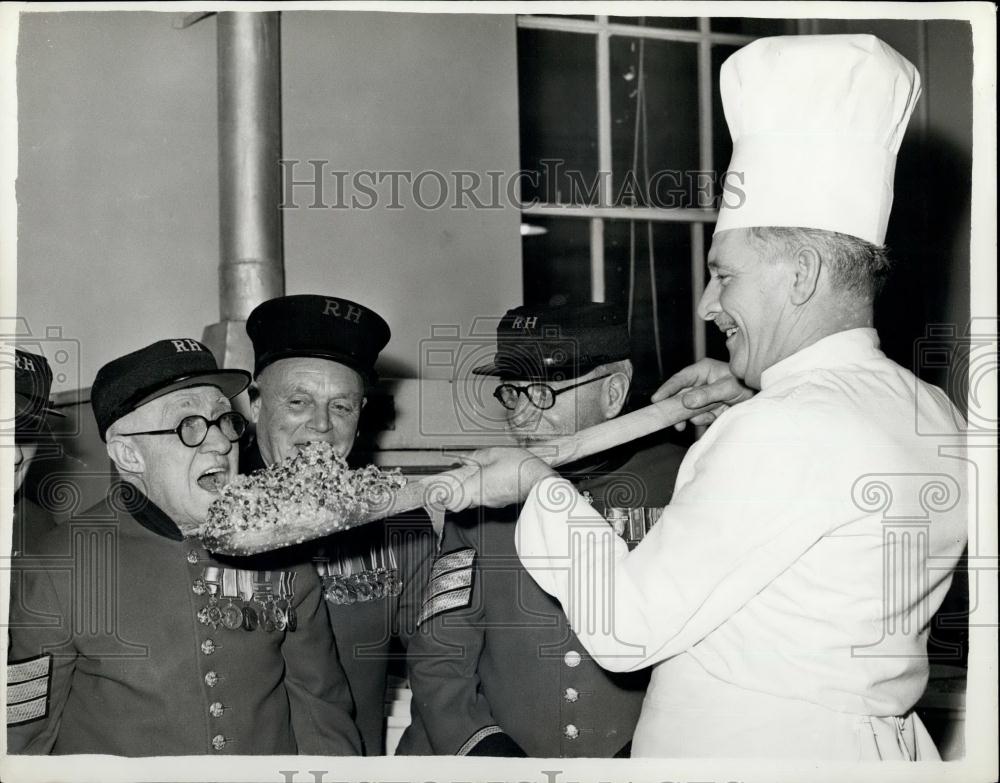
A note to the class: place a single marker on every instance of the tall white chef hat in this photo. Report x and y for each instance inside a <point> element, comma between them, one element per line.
<point>816,122</point>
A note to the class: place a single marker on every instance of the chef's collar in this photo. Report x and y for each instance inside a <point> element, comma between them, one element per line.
<point>250,457</point>
<point>848,347</point>
<point>145,511</point>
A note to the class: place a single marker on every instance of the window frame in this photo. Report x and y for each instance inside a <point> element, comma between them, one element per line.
<point>602,30</point>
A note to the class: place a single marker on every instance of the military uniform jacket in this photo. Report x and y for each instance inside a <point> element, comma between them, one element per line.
<point>114,650</point>
<point>368,623</point>
<point>31,523</point>
<point>494,667</point>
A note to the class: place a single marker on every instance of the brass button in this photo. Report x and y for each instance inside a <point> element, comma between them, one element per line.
<point>211,679</point>
<point>218,742</point>
<point>215,709</point>
<point>198,587</point>
<point>571,694</point>
<point>571,731</point>
<point>572,659</point>
<point>208,647</point>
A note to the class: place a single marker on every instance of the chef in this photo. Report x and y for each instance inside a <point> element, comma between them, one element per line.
<point>783,605</point>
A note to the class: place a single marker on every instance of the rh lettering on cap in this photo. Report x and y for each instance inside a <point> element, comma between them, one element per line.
<point>185,346</point>
<point>333,308</point>
<point>520,322</point>
<point>24,363</point>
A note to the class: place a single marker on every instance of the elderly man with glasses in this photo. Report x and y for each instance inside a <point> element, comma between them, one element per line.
<point>128,637</point>
<point>494,667</point>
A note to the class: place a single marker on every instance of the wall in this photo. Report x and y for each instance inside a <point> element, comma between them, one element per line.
<point>117,186</point>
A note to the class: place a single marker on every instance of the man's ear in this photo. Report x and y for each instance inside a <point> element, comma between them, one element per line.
<point>807,266</point>
<point>615,393</point>
<point>127,458</point>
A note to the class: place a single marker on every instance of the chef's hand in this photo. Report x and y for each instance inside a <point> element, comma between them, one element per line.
<point>706,382</point>
<point>494,477</point>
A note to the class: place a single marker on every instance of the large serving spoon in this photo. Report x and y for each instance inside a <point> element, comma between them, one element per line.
<point>429,489</point>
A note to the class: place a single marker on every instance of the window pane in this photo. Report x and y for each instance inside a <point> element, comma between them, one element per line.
<point>557,263</point>
<point>672,264</point>
<point>662,22</point>
<point>671,99</point>
<point>750,26</point>
<point>558,106</point>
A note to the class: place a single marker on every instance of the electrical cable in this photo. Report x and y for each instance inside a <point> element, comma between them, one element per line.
<point>641,113</point>
<point>635,168</point>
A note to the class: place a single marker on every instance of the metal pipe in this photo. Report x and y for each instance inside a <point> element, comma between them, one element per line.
<point>604,173</point>
<point>251,263</point>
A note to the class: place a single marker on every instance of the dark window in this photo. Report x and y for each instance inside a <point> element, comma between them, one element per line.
<point>557,87</point>
<point>667,137</point>
<point>557,263</point>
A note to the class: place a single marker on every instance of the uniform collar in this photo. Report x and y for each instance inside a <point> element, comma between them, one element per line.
<point>146,512</point>
<point>848,347</point>
<point>600,465</point>
<point>250,457</point>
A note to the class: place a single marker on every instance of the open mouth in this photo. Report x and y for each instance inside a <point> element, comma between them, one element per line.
<point>340,449</point>
<point>728,328</point>
<point>213,479</point>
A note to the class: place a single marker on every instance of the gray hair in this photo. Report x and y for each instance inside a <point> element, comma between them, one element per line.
<point>857,267</point>
<point>130,421</point>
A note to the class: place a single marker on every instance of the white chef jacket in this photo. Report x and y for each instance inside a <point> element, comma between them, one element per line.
<point>787,589</point>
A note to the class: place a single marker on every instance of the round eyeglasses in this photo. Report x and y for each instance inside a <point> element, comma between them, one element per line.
<point>194,429</point>
<point>541,395</point>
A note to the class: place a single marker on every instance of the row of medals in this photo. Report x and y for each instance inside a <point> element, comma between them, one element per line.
<point>262,612</point>
<point>370,584</point>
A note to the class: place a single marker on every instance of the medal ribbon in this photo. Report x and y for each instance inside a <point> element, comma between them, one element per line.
<point>244,584</point>
<point>211,579</point>
<point>263,581</point>
<point>285,586</point>
<point>229,584</point>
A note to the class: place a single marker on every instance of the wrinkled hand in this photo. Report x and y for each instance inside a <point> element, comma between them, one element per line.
<point>493,477</point>
<point>706,382</point>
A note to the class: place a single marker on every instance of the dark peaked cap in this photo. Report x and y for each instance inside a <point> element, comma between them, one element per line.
<point>557,343</point>
<point>32,384</point>
<point>125,383</point>
<point>324,327</point>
